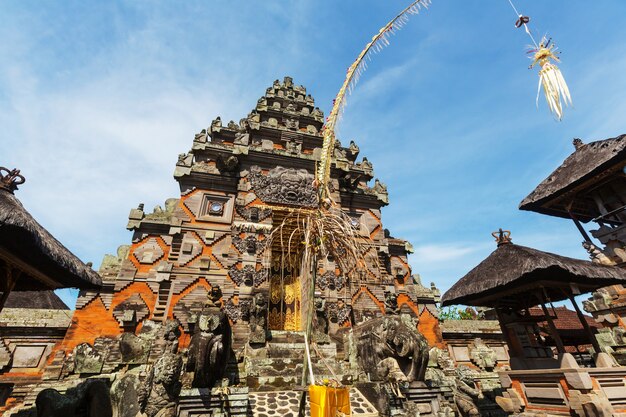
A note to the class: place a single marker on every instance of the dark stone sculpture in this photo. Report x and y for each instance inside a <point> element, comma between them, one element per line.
<point>320,324</point>
<point>258,320</point>
<point>210,345</point>
<point>391,303</point>
<point>88,399</point>
<point>153,393</point>
<point>389,337</point>
<point>466,393</point>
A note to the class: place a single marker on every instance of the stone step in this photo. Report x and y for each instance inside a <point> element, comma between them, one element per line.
<point>273,373</point>
<point>286,403</point>
<point>234,402</point>
<point>286,336</point>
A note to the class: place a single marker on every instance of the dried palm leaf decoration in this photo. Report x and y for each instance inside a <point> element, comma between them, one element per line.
<point>546,55</point>
<point>306,235</point>
<point>379,41</point>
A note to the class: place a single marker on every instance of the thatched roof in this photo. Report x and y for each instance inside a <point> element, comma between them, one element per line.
<point>24,241</point>
<point>35,299</point>
<point>517,276</point>
<point>587,161</point>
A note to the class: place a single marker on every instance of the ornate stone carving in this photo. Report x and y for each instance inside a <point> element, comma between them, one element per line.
<point>209,349</point>
<point>258,320</point>
<point>330,280</point>
<point>134,349</point>
<point>391,303</point>
<point>320,323</point>
<point>466,393</point>
<point>159,394</point>
<point>227,165</point>
<point>233,311</point>
<point>253,214</point>
<point>248,275</point>
<point>250,244</point>
<point>343,312</point>
<point>389,337</point>
<point>87,360</point>
<point>483,356</point>
<point>284,186</point>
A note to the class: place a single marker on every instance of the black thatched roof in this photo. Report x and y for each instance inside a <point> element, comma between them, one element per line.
<point>24,240</point>
<point>35,299</point>
<point>516,276</point>
<point>587,161</point>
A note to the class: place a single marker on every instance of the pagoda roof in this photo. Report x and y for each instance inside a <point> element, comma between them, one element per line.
<point>587,161</point>
<point>45,262</point>
<point>518,276</point>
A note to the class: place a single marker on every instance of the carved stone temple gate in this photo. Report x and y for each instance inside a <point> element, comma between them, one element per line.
<point>194,295</point>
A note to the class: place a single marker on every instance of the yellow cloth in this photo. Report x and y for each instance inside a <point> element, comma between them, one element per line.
<point>329,402</point>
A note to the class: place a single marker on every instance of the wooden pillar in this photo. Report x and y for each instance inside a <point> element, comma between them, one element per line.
<point>513,344</point>
<point>583,321</point>
<point>553,330</point>
<point>11,278</point>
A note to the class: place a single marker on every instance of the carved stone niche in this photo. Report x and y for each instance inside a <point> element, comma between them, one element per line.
<point>284,186</point>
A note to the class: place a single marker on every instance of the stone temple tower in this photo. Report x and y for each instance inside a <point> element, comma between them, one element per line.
<point>202,260</point>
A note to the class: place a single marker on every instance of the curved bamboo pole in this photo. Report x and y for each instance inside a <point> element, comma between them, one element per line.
<point>378,42</point>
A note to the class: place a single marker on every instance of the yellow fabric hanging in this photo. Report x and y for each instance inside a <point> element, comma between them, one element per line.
<point>327,401</point>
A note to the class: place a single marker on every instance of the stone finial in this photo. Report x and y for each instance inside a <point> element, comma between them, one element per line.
<point>578,143</point>
<point>502,237</point>
<point>10,179</point>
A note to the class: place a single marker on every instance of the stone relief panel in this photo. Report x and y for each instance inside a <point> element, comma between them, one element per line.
<point>284,186</point>
<point>248,275</point>
<point>250,244</point>
<point>253,214</point>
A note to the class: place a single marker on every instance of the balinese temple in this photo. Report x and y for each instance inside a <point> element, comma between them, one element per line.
<point>546,376</point>
<point>33,320</point>
<point>590,187</point>
<point>197,317</point>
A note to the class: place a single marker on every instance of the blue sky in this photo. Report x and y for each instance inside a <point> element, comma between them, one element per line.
<point>97,99</point>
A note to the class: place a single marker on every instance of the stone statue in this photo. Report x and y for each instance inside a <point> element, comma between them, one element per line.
<point>389,337</point>
<point>210,345</point>
<point>258,320</point>
<point>391,303</point>
<point>320,325</point>
<point>90,398</point>
<point>466,393</point>
<point>159,394</point>
<point>596,255</point>
<point>483,356</point>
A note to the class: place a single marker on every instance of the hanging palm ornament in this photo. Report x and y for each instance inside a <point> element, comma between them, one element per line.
<point>546,55</point>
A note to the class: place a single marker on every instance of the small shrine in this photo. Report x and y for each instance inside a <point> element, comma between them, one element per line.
<point>544,375</point>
